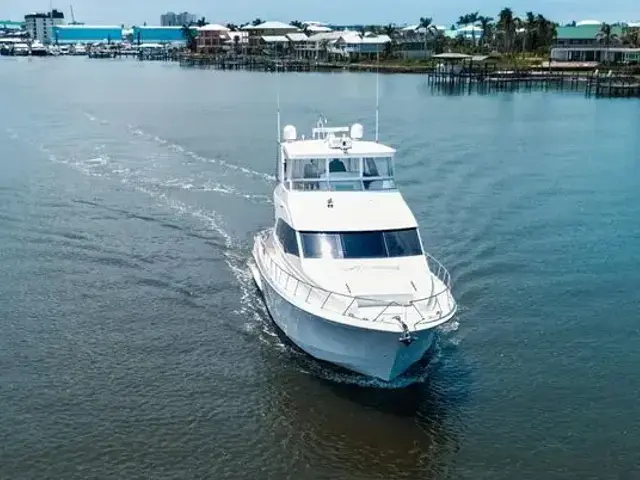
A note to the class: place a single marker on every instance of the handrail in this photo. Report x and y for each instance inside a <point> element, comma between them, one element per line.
<point>346,302</point>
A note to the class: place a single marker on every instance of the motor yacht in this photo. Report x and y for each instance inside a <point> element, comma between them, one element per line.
<point>38,49</point>
<point>343,271</point>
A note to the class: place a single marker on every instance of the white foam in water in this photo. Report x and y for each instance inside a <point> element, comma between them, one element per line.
<point>180,149</point>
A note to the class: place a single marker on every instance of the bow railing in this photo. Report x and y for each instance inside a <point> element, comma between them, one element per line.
<point>432,308</point>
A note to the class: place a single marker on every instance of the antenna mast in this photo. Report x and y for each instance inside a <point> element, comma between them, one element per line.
<point>377,91</point>
<point>278,153</point>
<point>277,96</point>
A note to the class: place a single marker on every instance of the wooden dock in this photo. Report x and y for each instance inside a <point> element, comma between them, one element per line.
<point>447,79</point>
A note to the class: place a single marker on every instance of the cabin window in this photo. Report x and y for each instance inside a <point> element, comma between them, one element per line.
<point>403,243</point>
<point>353,245</point>
<point>305,173</point>
<point>288,238</point>
<point>321,245</point>
<point>340,174</point>
<point>377,167</point>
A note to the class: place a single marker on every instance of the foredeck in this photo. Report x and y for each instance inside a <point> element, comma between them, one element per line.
<point>435,308</point>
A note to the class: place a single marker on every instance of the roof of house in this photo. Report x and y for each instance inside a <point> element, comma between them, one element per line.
<point>330,36</point>
<point>582,23</point>
<point>297,37</point>
<point>270,26</point>
<point>377,39</point>
<point>213,27</point>
<point>274,39</point>
<point>584,32</point>
<point>317,28</point>
<point>452,56</point>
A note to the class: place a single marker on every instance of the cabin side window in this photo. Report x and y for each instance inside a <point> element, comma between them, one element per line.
<point>359,245</point>
<point>305,173</point>
<point>288,238</point>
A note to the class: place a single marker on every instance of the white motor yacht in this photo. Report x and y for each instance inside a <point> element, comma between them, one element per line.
<point>38,49</point>
<point>343,271</point>
<point>79,49</point>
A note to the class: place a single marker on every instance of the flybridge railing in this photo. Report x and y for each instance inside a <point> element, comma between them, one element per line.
<point>437,306</point>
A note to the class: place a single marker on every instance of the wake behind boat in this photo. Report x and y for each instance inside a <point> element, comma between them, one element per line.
<point>343,271</point>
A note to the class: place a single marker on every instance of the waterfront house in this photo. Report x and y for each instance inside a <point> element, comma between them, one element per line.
<point>267,29</point>
<point>584,43</point>
<point>297,44</point>
<point>212,38</point>
<point>358,46</point>
<point>274,44</point>
<point>72,34</point>
<point>237,41</point>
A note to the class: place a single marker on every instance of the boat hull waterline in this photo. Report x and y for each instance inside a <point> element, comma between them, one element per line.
<point>373,353</point>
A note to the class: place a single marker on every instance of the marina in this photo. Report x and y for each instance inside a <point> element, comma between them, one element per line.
<point>135,342</point>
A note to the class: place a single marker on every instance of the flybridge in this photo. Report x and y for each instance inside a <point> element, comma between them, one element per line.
<point>335,158</point>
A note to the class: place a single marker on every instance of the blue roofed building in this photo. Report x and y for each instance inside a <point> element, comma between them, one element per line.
<point>72,34</point>
<point>155,34</point>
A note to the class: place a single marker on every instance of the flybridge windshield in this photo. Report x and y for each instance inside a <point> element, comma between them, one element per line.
<point>341,174</point>
<point>376,244</point>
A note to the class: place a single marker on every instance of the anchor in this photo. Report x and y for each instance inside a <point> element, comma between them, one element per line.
<point>405,338</point>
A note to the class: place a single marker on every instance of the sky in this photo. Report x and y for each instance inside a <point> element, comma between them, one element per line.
<point>332,11</point>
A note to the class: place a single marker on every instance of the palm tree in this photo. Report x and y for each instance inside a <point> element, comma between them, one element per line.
<point>202,22</point>
<point>507,27</point>
<point>530,39</point>
<point>324,49</point>
<point>469,19</point>
<point>486,23</point>
<point>430,32</point>
<point>297,24</point>
<point>607,36</point>
<point>191,36</point>
<point>631,37</point>
<point>546,33</point>
<point>236,44</point>
<point>390,47</point>
<point>256,21</point>
<point>472,19</point>
<point>232,26</point>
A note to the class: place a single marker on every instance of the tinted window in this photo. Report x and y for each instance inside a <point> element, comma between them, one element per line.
<point>321,245</point>
<point>403,243</point>
<point>287,237</point>
<point>363,245</point>
<point>381,244</point>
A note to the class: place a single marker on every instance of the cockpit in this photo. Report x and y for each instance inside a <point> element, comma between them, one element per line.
<point>335,159</point>
<point>339,173</point>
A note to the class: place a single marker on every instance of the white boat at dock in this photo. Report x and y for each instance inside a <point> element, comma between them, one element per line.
<point>79,49</point>
<point>343,271</point>
<point>38,49</point>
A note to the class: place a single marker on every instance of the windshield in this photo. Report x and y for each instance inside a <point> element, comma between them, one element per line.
<point>375,244</point>
<point>340,174</point>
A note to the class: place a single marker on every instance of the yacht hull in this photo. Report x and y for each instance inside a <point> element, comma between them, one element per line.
<point>369,352</point>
